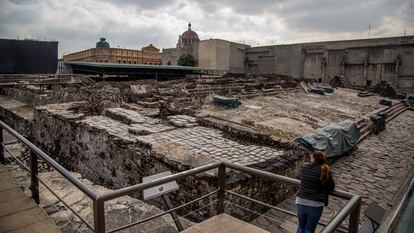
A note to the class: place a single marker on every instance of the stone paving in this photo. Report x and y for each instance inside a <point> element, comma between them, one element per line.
<point>376,170</point>
<point>112,127</point>
<point>182,120</point>
<point>211,143</point>
<point>139,124</point>
<point>130,116</point>
<point>63,110</point>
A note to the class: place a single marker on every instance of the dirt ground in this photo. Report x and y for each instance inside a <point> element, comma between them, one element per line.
<point>290,115</point>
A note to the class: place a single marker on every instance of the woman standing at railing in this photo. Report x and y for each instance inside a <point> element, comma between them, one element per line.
<point>315,186</point>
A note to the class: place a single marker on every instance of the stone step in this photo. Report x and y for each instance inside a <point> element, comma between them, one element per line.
<point>15,204</point>
<point>128,116</point>
<point>224,223</point>
<point>19,213</point>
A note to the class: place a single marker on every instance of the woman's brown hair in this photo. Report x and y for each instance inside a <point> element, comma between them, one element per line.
<point>320,159</point>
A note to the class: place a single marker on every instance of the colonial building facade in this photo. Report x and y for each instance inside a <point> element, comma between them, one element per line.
<point>104,53</point>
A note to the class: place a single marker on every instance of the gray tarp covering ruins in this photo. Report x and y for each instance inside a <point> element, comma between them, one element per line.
<point>334,139</point>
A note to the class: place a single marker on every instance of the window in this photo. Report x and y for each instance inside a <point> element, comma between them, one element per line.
<point>106,61</point>
<point>135,62</point>
<point>129,62</point>
<point>124,61</point>
<point>119,61</point>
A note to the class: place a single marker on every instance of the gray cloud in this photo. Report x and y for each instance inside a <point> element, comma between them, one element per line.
<point>77,24</point>
<point>144,4</point>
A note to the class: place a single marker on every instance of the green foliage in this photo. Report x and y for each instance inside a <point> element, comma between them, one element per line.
<point>186,60</point>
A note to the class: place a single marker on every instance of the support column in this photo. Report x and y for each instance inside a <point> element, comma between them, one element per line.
<point>222,186</point>
<point>34,181</point>
<point>2,161</point>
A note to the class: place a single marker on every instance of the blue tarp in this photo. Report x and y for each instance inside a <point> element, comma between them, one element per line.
<point>327,89</point>
<point>334,139</point>
<point>411,100</point>
<point>386,102</point>
<point>226,102</point>
<point>319,91</point>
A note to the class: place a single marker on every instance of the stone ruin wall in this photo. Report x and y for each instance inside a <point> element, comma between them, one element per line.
<point>38,97</point>
<point>115,162</point>
<point>66,134</point>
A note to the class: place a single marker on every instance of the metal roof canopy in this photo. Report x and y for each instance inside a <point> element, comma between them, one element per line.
<point>131,69</point>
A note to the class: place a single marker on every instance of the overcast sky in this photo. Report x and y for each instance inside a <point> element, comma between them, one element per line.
<point>78,24</point>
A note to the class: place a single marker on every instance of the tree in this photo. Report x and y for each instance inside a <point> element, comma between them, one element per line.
<point>186,60</point>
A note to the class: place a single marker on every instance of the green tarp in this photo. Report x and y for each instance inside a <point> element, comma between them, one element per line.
<point>334,139</point>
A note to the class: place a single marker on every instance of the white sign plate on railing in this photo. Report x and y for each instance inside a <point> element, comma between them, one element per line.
<point>159,190</point>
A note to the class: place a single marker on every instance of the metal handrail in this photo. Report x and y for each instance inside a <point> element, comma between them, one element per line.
<point>84,188</point>
<point>352,208</point>
<point>46,186</point>
<point>140,187</point>
<point>261,203</point>
<point>163,213</point>
<point>399,208</point>
<point>354,203</point>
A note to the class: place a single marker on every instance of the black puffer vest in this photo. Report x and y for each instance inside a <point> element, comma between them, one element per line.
<point>310,185</point>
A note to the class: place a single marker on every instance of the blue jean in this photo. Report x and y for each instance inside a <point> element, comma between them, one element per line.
<point>308,217</point>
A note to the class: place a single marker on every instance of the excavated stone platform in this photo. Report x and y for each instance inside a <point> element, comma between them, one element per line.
<point>291,114</point>
<point>212,144</point>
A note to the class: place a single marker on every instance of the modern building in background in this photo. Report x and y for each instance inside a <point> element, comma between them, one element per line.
<point>104,53</point>
<point>362,62</point>
<point>28,56</point>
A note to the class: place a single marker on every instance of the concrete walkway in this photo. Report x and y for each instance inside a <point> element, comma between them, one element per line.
<point>376,171</point>
<point>225,224</point>
<point>19,213</point>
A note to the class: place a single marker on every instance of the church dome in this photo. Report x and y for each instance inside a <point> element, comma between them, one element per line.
<point>187,38</point>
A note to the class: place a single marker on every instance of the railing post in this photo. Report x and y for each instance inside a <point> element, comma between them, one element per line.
<point>354,218</point>
<point>1,147</point>
<point>99,215</point>
<point>222,186</point>
<point>34,182</point>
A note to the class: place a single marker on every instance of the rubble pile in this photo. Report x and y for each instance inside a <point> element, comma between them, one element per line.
<point>103,98</point>
<point>388,90</point>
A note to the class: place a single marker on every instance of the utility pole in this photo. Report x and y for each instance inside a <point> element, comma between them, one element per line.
<point>369,31</point>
